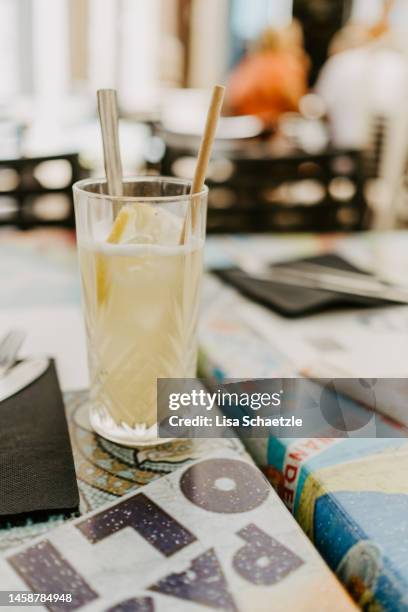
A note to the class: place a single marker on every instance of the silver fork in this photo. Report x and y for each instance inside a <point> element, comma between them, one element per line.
<point>9,347</point>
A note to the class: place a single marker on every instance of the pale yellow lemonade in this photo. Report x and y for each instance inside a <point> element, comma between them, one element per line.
<point>141,301</point>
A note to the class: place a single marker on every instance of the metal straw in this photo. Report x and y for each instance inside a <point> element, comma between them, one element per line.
<point>108,116</point>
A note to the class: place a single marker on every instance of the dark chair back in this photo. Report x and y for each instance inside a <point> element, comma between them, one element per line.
<point>38,191</point>
<point>300,192</point>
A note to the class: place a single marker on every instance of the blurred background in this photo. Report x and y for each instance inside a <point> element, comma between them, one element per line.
<point>315,132</point>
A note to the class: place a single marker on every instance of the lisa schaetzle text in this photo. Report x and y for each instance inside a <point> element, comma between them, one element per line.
<point>221,420</point>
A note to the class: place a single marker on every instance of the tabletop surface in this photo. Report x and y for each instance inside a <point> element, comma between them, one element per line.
<point>238,338</point>
<point>41,292</point>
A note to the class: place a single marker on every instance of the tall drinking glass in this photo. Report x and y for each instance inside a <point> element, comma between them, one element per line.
<point>140,258</point>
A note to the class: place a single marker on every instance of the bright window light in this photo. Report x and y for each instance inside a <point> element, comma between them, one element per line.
<point>9,69</point>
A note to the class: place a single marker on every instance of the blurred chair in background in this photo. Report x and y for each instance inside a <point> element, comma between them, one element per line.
<point>37,192</point>
<point>254,191</point>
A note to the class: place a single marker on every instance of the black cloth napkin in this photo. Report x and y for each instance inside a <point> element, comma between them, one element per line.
<point>37,474</point>
<point>297,301</point>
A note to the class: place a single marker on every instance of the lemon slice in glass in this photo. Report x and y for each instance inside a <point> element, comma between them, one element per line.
<point>114,237</point>
<point>137,223</point>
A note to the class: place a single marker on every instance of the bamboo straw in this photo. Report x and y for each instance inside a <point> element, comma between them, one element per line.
<point>204,155</point>
<point>108,116</point>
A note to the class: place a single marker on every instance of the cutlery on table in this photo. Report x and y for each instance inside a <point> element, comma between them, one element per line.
<point>9,347</point>
<point>324,278</point>
<point>14,378</point>
<point>22,375</point>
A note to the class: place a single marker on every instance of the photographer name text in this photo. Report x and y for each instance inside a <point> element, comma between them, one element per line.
<point>224,421</point>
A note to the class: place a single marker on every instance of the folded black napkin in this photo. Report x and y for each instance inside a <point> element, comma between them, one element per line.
<point>37,474</point>
<point>297,301</point>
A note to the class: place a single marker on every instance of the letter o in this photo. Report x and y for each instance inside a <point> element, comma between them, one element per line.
<point>225,486</point>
